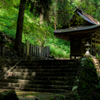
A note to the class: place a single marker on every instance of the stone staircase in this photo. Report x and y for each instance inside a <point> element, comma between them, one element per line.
<point>42,76</point>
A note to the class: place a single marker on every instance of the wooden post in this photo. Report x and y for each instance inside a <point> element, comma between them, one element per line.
<point>40,51</point>
<point>3,51</point>
<point>0,49</point>
<point>35,50</point>
<point>48,51</point>
<point>28,46</point>
<point>24,51</point>
<point>32,49</point>
<point>44,52</point>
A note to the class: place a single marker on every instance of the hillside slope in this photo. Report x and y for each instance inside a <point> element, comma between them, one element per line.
<point>32,31</point>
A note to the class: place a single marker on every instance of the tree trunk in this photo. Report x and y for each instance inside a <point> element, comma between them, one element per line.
<point>55,15</point>
<point>55,22</point>
<point>41,16</point>
<point>18,40</point>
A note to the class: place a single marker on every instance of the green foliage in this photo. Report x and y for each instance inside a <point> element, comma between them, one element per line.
<point>59,97</point>
<point>58,47</point>
<point>9,45</point>
<point>32,30</point>
<point>8,94</point>
<point>73,96</point>
<point>98,52</point>
<point>65,12</point>
<point>98,48</point>
<point>88,80</point>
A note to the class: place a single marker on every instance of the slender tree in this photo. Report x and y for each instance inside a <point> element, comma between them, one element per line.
<point>41,5</point>
<point>18,39</point>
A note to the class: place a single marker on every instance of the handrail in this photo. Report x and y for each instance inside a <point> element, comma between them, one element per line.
<point>4,74</point>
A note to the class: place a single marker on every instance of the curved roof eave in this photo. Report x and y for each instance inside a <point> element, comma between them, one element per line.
<point>85,18</point>
<point>75,29</point>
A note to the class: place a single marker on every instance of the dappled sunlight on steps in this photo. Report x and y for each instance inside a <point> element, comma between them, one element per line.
<point>42,76</point>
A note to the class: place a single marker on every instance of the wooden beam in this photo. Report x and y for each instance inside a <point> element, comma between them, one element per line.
<point>95,39</point>
<point>96,44</point>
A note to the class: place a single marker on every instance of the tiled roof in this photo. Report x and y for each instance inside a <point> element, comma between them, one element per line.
<point>93,24</point>
<point>87,17</point>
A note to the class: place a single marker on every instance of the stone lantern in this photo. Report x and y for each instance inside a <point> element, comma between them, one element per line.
<point>87,54</point>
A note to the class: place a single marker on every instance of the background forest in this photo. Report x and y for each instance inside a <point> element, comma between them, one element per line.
<point>41,18</point>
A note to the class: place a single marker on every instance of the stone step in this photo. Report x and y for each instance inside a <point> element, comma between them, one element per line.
<point>37,89</point>
<point>42,74</point>
<point>22,74</point>
<point>43,77</point>
<point>55,73</point>
<point>45,64</point>
<point>46,67</point>
<point>22,85</point>
<point>46,82</point>
<point>49,65</point>
<point>55,78</point>
<point>49,62</point>
<point>43,70</point>
<point>53,82</point>
<point>15,80</point>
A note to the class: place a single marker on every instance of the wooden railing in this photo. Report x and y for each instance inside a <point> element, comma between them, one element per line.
<point>29,49</point>
<point>36,50</point>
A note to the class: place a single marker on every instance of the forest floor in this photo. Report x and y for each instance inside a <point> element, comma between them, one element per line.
<point>31,95</point>
<point>23,95</point>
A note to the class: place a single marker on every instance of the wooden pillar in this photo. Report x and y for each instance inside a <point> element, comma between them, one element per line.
<point>48,51</point>
<point>0,49</point>
<point>44,51</point>
<point>24,50</point>
<point>40,51</point>
<point>3,51</point>
<point>70,49</point>
<point>91,46</point>
<point>37,50</point>
<point>28,46</point>
<point>32,49</point>
<point>95,45</point>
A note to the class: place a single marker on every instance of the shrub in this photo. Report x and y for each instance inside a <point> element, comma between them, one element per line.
<point>88,80</point>
<point>10,94</point>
